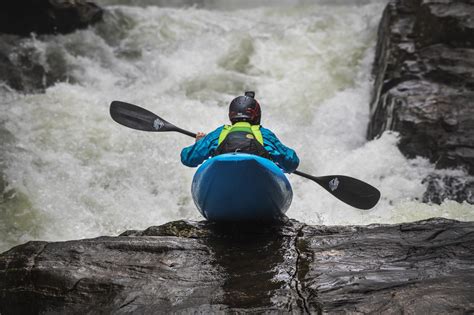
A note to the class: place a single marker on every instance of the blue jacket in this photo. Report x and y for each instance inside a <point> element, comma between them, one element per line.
<point>283,156</point>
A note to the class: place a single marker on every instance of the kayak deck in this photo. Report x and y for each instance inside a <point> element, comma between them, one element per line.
<point>241,187</point>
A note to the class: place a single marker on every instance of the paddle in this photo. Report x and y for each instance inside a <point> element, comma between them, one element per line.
<point>350,190</point>
<point>135,117</point>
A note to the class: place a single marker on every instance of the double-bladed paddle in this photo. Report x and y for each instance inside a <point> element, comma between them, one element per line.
<point>350,190</point>
<point>136,117</point>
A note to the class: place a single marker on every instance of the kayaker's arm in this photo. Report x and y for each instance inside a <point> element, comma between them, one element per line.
<point>288,161</point>
<point>199,136</point>
<point>285,157</point>
<point>200,151</point>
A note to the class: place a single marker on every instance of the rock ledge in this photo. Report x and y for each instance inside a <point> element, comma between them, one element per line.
<point>421,267</point>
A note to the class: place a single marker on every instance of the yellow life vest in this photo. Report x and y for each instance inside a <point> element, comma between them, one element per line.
<point>252,130</point>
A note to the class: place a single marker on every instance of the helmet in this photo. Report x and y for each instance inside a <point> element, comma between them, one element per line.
<point>245,108</point>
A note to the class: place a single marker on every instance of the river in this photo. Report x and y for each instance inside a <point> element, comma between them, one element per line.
<point>68,171</point>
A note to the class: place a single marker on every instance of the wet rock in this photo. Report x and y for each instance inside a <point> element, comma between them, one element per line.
<point>424,267</point>
<point>27,68</point>
<point>424,80</point>
<point>415,268</point>
<point>23,17</point>
<point>440,187</point>
<point>26,64</point>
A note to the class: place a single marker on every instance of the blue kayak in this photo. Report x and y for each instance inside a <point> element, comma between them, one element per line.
<point>241,187</point>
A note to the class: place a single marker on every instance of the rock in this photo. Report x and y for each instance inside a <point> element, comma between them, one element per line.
<point>23,65</point>
<point>457,188</point>
<point>424,80</point>
<point>424,267</point>
<point>23,17</point>
<point>25,68</point>
<point>414,268</point>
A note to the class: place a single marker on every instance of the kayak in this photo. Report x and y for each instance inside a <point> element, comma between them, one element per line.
<point>241,187</point>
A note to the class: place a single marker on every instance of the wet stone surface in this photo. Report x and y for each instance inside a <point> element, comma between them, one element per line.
<point>424,87</point>
<point>422,267</point>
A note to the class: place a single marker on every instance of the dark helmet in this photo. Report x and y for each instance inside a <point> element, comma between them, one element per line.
<point>245,108</point>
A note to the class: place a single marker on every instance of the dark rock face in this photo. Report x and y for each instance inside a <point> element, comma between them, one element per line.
<point>424,86</point>
<point>456,188</point>
<point>24,68</point>
<point>415,268</point>
<point>23,17</point>
<point>424,268</point>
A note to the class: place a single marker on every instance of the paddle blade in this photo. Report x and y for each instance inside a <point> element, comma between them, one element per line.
<point>138,118</point>
<point>350,190</point>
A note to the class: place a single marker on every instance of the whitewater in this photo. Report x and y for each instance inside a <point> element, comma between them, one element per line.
<point>68,171</point>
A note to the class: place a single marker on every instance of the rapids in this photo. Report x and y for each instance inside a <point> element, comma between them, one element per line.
<point>68,171</point>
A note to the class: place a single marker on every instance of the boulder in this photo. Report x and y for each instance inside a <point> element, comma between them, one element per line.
<point>424,81</point>
<point>23,17</point>
<point>425,267</point>
<point>25,68</point>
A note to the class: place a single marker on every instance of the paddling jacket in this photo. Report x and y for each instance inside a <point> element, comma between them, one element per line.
<point>206,147</point>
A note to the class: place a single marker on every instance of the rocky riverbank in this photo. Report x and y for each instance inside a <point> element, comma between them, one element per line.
<point>424,88</point>
<point>424,267</point>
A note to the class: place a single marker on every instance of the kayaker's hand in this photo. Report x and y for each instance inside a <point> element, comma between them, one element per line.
<point>199,136</point>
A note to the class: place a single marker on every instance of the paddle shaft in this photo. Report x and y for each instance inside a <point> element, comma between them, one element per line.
<point>185,132</point>
<point>347,189</point>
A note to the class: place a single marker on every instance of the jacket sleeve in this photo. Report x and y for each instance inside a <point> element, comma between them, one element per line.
<point>285,157</point>
<point>197,153</point>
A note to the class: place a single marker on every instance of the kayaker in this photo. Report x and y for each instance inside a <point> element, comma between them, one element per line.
<point>245,135</point>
